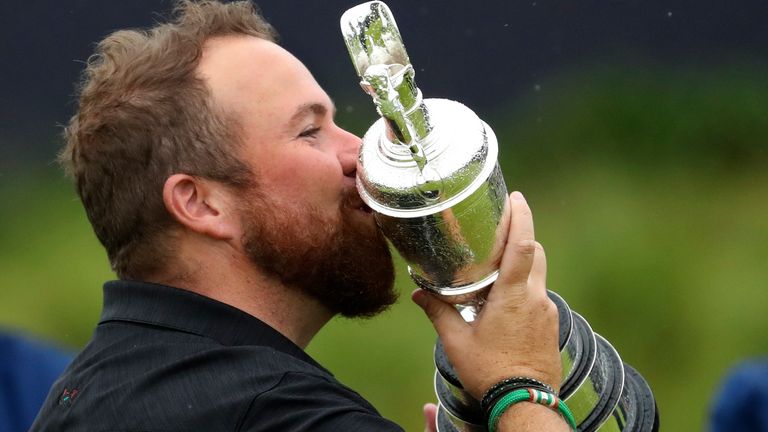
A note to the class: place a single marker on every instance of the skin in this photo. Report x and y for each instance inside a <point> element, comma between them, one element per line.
<point>302,158</point>
<point>517,314</point>
<point>268,90</point>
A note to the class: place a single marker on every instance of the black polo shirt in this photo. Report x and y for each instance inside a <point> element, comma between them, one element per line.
<point>164,359</point>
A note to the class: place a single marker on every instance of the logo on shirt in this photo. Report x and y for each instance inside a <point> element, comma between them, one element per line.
<point>68,397</point>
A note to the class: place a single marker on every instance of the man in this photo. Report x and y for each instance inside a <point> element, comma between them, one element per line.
<point>210,167</point>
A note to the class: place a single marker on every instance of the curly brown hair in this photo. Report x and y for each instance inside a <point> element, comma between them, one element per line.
<point>144,114</point>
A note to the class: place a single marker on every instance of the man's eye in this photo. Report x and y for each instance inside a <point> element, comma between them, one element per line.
<point>309,133</point>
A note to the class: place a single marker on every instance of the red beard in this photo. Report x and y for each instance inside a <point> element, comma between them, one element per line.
<point>341,261</point>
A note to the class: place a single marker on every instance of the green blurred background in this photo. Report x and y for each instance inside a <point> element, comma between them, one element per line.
<point>646,177</point>
<point>649,195</point>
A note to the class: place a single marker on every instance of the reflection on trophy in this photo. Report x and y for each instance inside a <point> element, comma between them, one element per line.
<point>430,173</point>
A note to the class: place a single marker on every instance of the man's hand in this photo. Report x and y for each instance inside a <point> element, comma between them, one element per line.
<point>516,332</point>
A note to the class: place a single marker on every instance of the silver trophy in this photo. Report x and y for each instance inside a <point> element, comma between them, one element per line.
<point>429,170</point>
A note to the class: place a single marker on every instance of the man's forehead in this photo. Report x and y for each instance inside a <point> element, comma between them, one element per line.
<point>240,47</point>
<point>236,61</point>
<point>244,69</point>
<point>269,91</point>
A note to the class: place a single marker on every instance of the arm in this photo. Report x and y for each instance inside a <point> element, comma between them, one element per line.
<point>515,334</point>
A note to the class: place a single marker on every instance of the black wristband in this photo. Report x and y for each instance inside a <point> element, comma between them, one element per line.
<point>509,385</point>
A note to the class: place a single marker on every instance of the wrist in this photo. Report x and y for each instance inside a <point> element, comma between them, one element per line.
<point>529,417</point>
<point>548,380</point>
<point>506,386</point>
<point>507,399</point>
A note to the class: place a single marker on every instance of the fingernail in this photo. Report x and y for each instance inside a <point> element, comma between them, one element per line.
<point>518,196</point>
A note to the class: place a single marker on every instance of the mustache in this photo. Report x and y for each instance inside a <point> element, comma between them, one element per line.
<point>351,199</point>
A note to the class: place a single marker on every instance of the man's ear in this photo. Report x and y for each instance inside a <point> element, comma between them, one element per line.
<point>200,205</point>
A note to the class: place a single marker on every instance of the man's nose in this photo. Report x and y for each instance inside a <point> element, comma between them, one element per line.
<point>349,149</point>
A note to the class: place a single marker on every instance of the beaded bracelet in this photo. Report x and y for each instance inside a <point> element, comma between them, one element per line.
<point>529,395</point>
<point>510,384</point>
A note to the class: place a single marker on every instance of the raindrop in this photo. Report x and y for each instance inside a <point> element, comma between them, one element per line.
<point>669,14</point>
<point>536,87</point>
<point>506,25</point>
<point>533,4</point>
<point>349,108</point>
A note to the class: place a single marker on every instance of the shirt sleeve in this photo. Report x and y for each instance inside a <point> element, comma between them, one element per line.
<point>308,402</point>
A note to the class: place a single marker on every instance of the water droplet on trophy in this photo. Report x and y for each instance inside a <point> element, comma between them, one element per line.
<point>429,184</point>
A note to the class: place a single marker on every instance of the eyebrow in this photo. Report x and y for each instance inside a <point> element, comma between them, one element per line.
<point>313,108</point>
<point>302,111</point>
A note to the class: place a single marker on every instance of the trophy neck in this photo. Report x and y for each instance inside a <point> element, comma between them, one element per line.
<point>386,73</point>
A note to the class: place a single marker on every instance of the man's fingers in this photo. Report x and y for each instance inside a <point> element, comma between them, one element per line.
<point>446,319</point>
<point>520,249</point>
<point>537,279</point>
<point>430,417</point>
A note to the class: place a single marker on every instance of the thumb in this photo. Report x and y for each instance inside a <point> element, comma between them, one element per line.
<point>444,317</point>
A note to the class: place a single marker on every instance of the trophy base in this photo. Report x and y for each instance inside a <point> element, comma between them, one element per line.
<point>636,411</point>
<point>604,394</point>
<point>593,403</point>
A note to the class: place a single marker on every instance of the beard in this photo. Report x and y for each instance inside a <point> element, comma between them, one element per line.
<point>343,261</point>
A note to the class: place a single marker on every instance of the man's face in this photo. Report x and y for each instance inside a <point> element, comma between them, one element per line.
<point>304,222</point>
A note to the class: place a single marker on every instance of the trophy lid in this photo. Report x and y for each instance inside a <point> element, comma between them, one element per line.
<point>459,156</point>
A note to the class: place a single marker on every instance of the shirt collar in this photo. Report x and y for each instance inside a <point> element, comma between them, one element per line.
<point>183,310</point>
